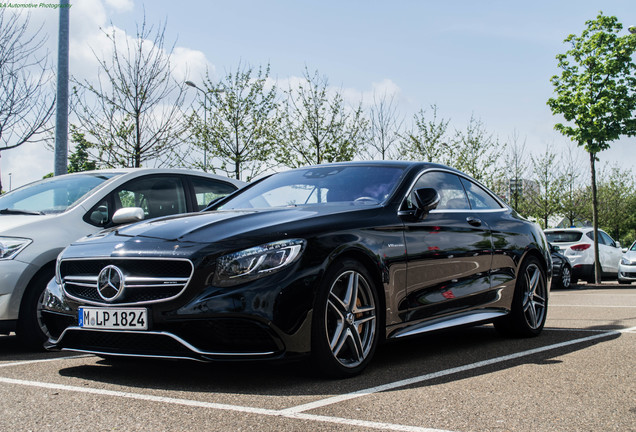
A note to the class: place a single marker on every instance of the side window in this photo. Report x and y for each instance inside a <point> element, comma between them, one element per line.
<point>606,239</point>
<point>479,198</point>
<point>207,190</point>
<point>156,195</point>
<point>449,188</point>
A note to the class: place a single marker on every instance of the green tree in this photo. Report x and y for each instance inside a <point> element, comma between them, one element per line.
<point>26,101</point>
<point>615,195</point>
<point>543,202</point>
<point>317,126</point>
<point>478,153</point>
<point>516,170</point>
<point>239,134</point>
<point>384,127</point>
<point>574,196</point>
<point>80,159</point>
<point>132,108</point>
<point>595,93</point>
<point>428,139</point>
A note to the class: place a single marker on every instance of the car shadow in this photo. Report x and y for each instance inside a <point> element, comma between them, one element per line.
<point>394,361</point>
<point>12,351</point>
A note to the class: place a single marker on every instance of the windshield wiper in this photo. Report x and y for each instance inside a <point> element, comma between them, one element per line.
<point>19,212</point>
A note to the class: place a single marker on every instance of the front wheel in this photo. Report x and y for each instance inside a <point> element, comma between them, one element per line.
<point>530,302</point>
<point>31,331</point>
<point>345,323</point>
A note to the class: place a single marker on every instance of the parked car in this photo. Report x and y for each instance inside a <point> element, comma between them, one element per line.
<point>40,219</point>
<point>577,244</point>
<point>627,266</point>
<point>325,261</point>
<point>561,268</point>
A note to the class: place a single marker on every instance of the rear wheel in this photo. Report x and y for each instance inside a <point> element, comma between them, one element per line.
<point>565,281</point>
<point>530,302</point>
<point>345,323</point>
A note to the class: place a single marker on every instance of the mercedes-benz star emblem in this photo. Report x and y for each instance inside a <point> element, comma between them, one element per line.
<point>110,283</point>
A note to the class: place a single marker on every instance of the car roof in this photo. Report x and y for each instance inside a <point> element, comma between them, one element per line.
<point>147,171</point>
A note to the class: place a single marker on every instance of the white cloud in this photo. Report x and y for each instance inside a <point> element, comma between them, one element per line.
<point>189,64</point>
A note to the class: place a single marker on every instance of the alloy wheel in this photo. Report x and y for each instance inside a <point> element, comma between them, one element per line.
<point>350,318</point>
<point>535,297</point>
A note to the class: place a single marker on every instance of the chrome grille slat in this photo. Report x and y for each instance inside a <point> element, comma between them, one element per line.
<point>146,280</point>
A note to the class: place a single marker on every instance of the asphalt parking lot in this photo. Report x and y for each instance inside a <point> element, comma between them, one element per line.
<point>579,375</point>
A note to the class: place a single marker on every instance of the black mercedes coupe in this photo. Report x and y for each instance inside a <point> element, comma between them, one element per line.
<point>326,261</point>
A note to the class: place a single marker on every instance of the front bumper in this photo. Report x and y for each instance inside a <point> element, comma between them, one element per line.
<point>626,273</point>
<point>14,278</point>
<point>212,334</point>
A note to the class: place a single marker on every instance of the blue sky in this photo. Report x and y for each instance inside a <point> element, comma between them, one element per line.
<point>490,59</point>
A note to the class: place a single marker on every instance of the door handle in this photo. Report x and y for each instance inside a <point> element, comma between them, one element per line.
<point>473,221</point>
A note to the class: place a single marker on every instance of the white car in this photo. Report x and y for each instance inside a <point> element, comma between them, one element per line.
<point>38,220</point>
<point>577,244</point>
<point>627,266</point>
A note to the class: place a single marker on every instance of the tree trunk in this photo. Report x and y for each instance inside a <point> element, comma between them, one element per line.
<point>597,263</point>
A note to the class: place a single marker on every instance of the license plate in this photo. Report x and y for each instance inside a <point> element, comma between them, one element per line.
<point>113,318</point>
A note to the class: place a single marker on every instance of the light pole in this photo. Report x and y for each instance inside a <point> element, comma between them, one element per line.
<point>205,117</point>
<point>10,182</point>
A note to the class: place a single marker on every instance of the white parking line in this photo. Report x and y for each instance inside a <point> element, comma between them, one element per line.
<point>443,373</point>
<point>592,306</point>
<point>223,407</point>
<point>297,412</point>
<point>27,362</point>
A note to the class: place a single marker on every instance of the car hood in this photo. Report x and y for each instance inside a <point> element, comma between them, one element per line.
<point>19,225</point>
<point>223,225</point>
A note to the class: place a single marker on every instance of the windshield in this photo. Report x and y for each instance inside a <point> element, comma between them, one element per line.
<point>633,248</point>
<point>363,185</point>
<point>563,236</point>
<point>52,195</point>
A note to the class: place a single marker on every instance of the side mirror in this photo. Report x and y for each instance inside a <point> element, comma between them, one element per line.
<point>618,244</point>
<point>426,199</point>
<point>128,215</point>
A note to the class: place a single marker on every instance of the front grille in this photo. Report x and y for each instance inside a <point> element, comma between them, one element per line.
<point>146,280</point>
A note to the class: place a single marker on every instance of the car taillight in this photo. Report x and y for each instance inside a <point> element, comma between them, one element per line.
<point>580,247</point>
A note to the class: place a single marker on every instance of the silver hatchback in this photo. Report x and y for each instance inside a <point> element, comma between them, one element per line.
<point>39,220</point>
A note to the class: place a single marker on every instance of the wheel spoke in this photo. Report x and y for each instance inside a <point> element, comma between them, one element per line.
<point>532,315</point>
<point>352,291</point>
<point>337,304</point>
<point>357,348</point>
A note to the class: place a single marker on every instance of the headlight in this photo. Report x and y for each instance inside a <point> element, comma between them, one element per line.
<point>11,246</point>
<point>256,262</point>
<point>625,261</point>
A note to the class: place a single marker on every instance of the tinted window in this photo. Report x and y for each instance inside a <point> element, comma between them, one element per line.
<point>563,236</point>
<point>478,197</point>
<point>207,190</point>
<point>449,188</point>
<point>156,195</point>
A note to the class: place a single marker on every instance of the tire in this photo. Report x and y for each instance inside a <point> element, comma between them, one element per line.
<point>345,327</point>
<point>624,282</point>
<point>529,307</point>
<point>31,331</point>
<point>565,281</point>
